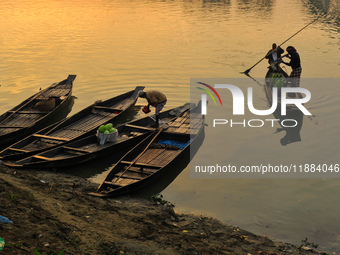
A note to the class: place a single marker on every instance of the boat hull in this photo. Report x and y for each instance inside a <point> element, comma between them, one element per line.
<point>148,161</point>
<point>88,148</point>
<point>33,119</point>
<point>81,124</point>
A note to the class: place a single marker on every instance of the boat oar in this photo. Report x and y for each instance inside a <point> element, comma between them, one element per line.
<point>134,161</point>
<point>248,70</point>
<point>300,30</point>
<point>258,83</point>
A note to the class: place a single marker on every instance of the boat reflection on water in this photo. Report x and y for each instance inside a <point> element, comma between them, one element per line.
<point>291,123</point>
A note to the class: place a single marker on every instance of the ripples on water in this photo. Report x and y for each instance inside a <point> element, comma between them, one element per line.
<point>114,46</point>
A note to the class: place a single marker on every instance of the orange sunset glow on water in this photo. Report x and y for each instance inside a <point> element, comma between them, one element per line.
<point>115,45</point>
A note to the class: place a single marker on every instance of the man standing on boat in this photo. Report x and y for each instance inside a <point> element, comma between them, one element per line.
<point>274,56</point>
<point>155,98</point>
<point>295,63</point>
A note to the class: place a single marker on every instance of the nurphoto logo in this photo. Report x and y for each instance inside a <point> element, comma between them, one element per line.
<point>238,99</point>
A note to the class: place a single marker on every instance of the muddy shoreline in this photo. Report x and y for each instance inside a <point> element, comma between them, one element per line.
<point>52,212</point>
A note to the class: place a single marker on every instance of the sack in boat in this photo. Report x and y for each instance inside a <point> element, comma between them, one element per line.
<point>46,105</point>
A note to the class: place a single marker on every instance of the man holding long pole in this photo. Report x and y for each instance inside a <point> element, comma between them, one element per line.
<point>295,64</point>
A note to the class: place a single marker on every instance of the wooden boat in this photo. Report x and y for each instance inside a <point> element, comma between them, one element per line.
<point>36,112</point>
<point>154,156</point>
<point>88,148</point>
<point>279,78</point>
<point>75,127</point>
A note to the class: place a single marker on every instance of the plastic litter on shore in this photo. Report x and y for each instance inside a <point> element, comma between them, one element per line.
<point>2,243</point>
<point>4,219</point>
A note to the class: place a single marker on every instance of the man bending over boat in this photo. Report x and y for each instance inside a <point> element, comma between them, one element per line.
<point>155,98</point>
<point>274,56</point>
<point>295,64</point>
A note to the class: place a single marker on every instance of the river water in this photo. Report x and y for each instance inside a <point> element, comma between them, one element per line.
<point>114,45</point>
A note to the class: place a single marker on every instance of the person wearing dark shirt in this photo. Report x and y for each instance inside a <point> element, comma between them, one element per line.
<point>295,64</point>
<point>155,98</point>
<point>274,56</point>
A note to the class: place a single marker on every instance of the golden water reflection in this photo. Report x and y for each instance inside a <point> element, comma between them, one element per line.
<point>114,45</point>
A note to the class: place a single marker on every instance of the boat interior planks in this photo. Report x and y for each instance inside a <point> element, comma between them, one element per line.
<point>180,125</point>
<point>35,112</point>
<point>154,156</point>
<point>75,127</point>
<point>30,114</point>
<point>88,148</point>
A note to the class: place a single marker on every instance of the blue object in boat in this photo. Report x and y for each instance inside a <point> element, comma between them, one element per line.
<point>177,144</point>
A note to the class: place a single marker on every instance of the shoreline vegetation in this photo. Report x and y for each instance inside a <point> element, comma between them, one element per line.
<point>52,213</point>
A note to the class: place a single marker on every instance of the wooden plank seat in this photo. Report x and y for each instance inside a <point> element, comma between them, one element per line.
<point>18,150</point>
<point>52,137</point>
<point>109,109</point>
<point>29,112</point>
<point>133,171</point>
<point>140,165</point>
<point>4,126</point>
<point>76,149</point>
<point>113,184</point>
<point>138,178</point>
<point>43,158</point>
<point>139,127</point>
<point>138,171</point>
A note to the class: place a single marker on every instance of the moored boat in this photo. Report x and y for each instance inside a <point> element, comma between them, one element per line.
<point>36,112</point>
<point>154,156</point>
<point>75,127</point>
<point>89,148</point>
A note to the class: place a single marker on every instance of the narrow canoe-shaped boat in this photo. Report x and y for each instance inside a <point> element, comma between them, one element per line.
<point>154,156</point>
<point>279,78</point>
<point>88,148</point>
<point>36,112</point>
<point>75,127</point>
